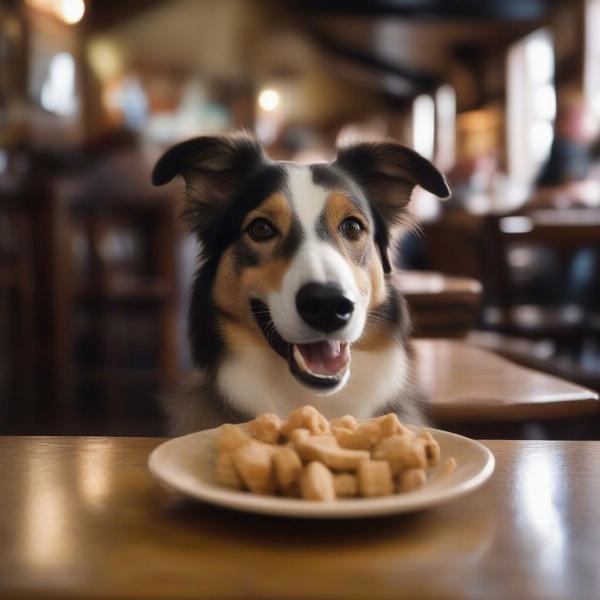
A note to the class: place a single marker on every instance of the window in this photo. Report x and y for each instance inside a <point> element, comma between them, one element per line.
<point>58,89</point>
<point>591,66</point>
<point>531,105</point>
<point>423,125</point>
<point>445,112</point>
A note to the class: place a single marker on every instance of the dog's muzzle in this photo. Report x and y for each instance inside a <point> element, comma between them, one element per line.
<point>323,364</point>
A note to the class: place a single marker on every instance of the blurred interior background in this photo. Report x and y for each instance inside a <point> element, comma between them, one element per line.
<point>503,96</point>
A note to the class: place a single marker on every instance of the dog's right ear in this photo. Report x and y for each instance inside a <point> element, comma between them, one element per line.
<point>211,167</point>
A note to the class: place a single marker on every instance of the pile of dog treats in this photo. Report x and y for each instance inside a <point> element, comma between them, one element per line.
<point>306,456</point>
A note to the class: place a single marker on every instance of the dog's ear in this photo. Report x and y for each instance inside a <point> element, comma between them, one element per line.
<point>211,167</point>
<point>388,173</point>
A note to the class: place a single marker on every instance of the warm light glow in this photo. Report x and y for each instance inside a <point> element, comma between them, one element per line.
<point>47,514</point>
<point>72,11</point>
<point>269,99</point>
<point>69,11</point>
<point>105,59</point>
<point>93,472</point>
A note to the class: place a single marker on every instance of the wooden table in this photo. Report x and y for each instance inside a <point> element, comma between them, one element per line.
<point>82,518</point>
<point>441,305</point>
<point>464,383</point>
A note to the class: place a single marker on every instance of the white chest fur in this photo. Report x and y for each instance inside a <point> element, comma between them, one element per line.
<point>256,380</point>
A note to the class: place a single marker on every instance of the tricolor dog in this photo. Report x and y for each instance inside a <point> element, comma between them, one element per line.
<point>292,302</point>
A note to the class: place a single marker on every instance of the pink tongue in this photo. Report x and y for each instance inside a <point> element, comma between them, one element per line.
<point>325,358</point>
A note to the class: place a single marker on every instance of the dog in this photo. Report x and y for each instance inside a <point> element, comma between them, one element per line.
<point>292,302</point>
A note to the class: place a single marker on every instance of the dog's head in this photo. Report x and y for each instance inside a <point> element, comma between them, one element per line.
<point>294,255</point>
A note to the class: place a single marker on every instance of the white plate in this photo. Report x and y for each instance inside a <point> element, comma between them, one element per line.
<point>185,464</point>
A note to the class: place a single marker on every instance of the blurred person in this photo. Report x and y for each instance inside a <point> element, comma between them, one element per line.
<point>567,180</point>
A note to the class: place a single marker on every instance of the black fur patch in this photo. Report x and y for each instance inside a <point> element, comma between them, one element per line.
<point>331,177</point>
<point>249,194</point>
<point>292,240</point>
<point>394,311</point>
<point>205,339</point>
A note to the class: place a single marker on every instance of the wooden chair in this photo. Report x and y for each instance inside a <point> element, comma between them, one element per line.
<point>17,313</point>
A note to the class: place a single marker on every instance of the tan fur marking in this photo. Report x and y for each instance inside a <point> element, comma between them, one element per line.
<point>370,278</point>
<point>275,209</point>
<point>232,292</point>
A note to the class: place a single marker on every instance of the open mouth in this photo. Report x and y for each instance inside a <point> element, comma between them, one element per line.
<point>321,364</point>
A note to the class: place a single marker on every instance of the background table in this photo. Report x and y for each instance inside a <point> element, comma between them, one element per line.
<point>83,518</point>
<point>464,383</point>
<point>440,305</point>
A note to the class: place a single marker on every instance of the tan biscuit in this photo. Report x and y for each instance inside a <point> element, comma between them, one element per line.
<point>287,466</point>
<point>266,428</point>
<point>299,435</point>
<point>374,478</point>
<point>338,459</point>
<point>345,422</point>
<point>448,467</point>
<point>346,485</point>
<point>231,437</point>
<point>307,417</point>
<point>432,448</point>
<point>316,483</point>
<point>225,472</point>
<point>390,424</point>
<point>411,479</point>
<point>402,452</point>
<point>254,464</point>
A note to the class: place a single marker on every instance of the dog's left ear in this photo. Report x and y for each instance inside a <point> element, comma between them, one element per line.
<point>388,173</point>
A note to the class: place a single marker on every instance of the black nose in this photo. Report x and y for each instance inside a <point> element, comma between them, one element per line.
<point>324,306</point>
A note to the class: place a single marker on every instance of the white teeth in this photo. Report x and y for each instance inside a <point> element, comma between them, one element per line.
<point>299,359</point>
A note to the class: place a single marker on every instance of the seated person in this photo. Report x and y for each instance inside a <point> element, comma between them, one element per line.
<point>565,181</point>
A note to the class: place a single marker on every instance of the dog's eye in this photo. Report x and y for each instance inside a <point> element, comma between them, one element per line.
<point>260,230</point>
<point>351,228</point>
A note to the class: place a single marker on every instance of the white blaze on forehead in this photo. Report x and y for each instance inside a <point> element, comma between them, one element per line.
<point>308,199</point>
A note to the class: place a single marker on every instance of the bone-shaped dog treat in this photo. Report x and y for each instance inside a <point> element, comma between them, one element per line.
<point>316,483</point>
<point>402,452</point>
<point>288,467</point>
<point>266,428</point>
<point>254,463</point>
<point>307,417</point>
<point>374,478</point>
<point>346,485</point>
<point>334,457</point>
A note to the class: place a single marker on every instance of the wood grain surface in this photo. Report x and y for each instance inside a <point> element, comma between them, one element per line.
<point>464,383</point>
<point>83,518</point>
